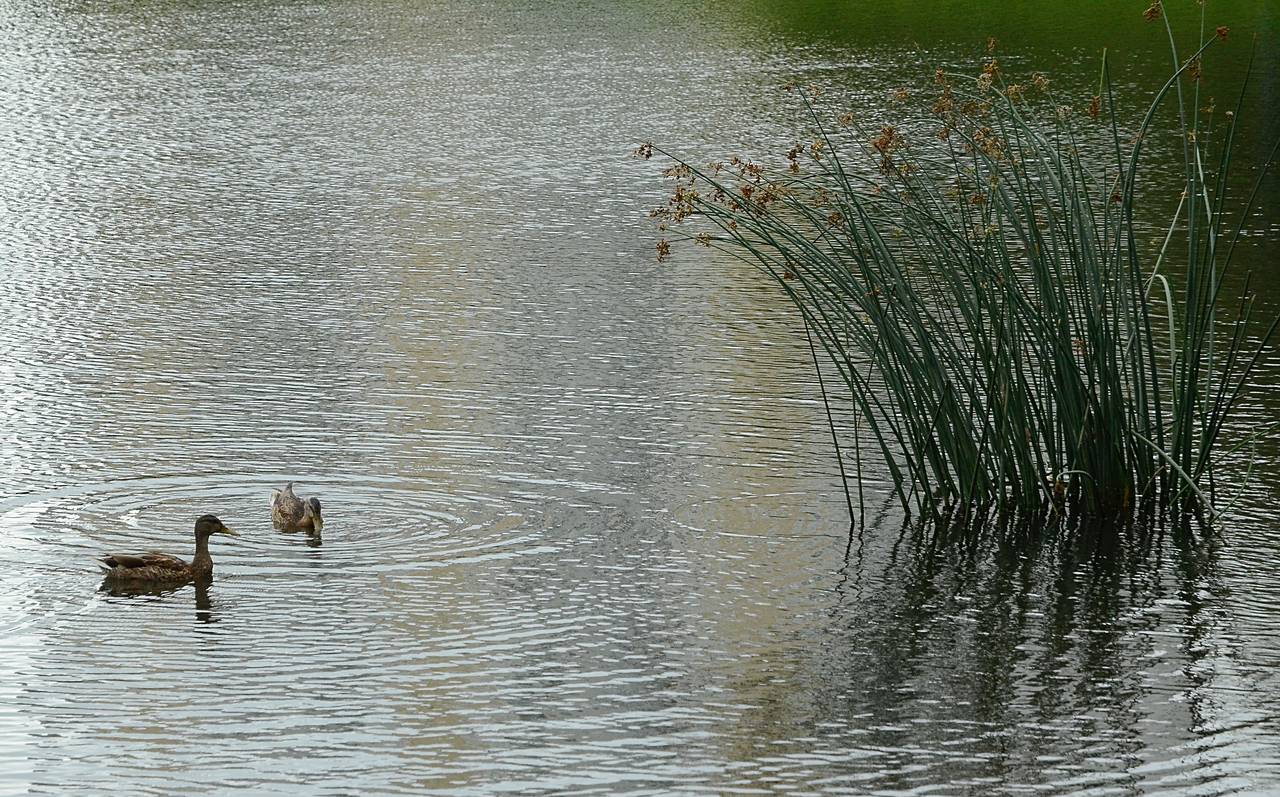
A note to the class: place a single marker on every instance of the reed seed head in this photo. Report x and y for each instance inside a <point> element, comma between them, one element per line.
<point>664,250</point>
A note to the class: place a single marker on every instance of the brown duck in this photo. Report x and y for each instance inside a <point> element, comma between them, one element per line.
<point>291,513</point>
<point>161,567</point>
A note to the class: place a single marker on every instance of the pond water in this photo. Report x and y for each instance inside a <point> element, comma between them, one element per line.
<point>584,533</point>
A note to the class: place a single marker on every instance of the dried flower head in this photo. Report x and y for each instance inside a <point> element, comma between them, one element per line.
<point>888,142</point>
<point>1095,107</point>
<point>664,250</point>
<point>945,103</point>
<point>902,94</point>
<point>793,158</point>
<point>1153,12</point>
<point>1193,68</point>
<point>1040,81</point>
<point>989,142</point>
<point>1222,31</point>
<point>645,151</point>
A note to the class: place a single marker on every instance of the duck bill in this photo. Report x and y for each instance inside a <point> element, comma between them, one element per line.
<point>228,530</point>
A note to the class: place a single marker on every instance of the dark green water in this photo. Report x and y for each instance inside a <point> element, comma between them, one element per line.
<point>584,533</point>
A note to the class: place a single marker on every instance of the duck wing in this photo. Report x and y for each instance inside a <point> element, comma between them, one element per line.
<point>286,507</point>
<point>132,561</point>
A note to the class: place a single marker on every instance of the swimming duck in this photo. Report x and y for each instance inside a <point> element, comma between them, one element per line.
<point>291,513</point>
<point>161,567</point>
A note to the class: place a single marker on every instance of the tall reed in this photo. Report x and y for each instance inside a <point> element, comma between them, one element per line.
<point>977,278</point>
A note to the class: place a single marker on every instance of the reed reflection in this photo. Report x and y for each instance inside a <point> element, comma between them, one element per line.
<point>986,650</point>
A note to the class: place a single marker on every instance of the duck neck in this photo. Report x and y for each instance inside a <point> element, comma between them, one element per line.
<point>202,562</point>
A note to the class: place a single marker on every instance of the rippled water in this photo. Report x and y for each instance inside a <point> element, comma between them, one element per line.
<point>583,531</point>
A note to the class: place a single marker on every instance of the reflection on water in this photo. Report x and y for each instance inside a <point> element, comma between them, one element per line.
<point>583,532</point>
<point>199,588</point>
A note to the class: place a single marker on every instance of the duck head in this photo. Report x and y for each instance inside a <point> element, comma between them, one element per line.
<point>208,525</point>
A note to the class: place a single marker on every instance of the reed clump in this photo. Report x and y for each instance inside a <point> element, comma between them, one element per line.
<point>983,279</point>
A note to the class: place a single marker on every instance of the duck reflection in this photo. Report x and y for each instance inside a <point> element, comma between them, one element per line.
<point>201,585</point>
<point>313,538</point>
<point>204,605</point>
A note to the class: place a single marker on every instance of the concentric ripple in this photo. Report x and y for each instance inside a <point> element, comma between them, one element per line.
<point>373,526</point>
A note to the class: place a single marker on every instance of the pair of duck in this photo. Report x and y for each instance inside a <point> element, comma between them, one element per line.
<point>289,512</point>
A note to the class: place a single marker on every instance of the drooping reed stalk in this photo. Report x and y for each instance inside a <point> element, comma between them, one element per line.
<point>978,282</point>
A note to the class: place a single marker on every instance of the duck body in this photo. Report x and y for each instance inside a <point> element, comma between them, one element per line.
<point>148,567</point>
<point>289,512</point>
<point>161,568</point>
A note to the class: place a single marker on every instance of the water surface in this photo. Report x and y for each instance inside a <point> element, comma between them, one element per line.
<point>584,532</point>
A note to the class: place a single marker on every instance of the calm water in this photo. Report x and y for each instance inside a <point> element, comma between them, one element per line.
<point>583,531</point>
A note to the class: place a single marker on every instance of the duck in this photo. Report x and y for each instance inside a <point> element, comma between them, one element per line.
<point>292,513</point>
<point>161,568</point>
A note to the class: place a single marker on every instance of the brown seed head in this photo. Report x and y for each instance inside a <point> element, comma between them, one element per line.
<point>1153,12</point>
